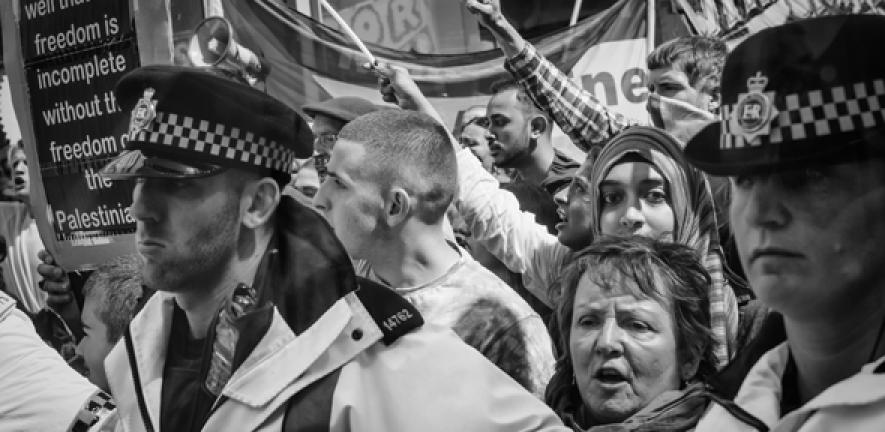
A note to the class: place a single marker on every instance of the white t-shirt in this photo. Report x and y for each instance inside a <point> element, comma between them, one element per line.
<point>487,314</point>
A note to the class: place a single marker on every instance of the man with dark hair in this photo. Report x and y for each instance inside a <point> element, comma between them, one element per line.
<point>522,138</point>
<point>391,177</point>
<point>684,69</point>
<point>259,322</point>
<point>688,69</point>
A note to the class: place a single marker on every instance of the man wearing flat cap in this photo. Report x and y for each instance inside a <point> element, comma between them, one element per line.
<point>329,116</point>
<point>259,322</point>
<point>802,136</point>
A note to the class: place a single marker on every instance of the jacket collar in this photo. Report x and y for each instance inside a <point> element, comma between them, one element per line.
<point>279,366</point>
<point>862,388</point>
<point>281,360</point>
<point>760,393</point>
<point>150,334</point>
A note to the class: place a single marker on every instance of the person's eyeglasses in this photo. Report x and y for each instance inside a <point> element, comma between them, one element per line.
<point>326,138</point>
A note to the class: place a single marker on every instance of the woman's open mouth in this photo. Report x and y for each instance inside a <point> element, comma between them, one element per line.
<point>610,377</point>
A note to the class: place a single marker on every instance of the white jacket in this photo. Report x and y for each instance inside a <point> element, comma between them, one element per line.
<point>426,380</point>
<point>855,404</point>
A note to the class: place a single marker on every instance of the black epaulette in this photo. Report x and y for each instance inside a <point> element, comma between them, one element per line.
<point>394,315</point>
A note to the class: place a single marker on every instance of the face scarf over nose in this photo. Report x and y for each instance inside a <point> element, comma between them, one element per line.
<point>680,119</point>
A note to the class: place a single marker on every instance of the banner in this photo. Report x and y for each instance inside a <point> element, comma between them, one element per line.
<point>312,62</point>
<point>70,56</point>
<point>79,128</point>
<point>615,72</point>
<point>735,20</point>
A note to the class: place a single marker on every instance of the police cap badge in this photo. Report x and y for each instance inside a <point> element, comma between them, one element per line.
<point>800,93</point>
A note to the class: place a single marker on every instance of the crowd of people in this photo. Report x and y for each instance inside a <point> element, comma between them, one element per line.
<point>715,271</point>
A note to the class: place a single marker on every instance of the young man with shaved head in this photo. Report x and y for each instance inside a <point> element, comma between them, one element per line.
<point>391,177</point>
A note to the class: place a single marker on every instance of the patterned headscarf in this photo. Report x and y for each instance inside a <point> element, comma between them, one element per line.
<point>692,202</point>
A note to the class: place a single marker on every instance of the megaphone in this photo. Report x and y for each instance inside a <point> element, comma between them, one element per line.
<point>213,45</point>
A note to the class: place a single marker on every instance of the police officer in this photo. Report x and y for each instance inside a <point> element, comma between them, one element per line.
<point>802,135</point>
<point>259,322</point>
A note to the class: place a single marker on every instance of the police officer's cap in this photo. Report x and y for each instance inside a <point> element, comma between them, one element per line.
<point>807,92</point>
<point>187,122</point>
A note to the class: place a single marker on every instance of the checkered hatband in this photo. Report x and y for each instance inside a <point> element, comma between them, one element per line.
<point>215,140</point>
<point>97,407</point>
<point>813,114</point>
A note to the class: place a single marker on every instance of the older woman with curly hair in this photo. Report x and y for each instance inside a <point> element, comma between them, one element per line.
<point>634,323</point>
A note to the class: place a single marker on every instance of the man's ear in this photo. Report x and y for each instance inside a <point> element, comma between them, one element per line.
<point>259,200</point>
<point>539,125</point>
<point>398,207</point>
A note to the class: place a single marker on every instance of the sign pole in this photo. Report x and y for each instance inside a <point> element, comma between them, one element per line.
<point>651,25</point>
<point>348,31</point>
<point>576,11</point>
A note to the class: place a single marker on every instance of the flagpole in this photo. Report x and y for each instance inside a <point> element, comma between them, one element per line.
<point>575,13</point>
<point>348,31</point>
<point>650,37</point>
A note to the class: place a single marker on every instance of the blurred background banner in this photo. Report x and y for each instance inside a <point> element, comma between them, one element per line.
<point>312,60</point>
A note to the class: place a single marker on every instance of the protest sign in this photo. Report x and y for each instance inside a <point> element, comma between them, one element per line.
<point>52,27</point>
<point>68,56</point>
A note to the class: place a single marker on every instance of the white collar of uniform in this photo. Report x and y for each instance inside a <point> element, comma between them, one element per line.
<point>281,363</point>
<point>761,391</point>
<point>862,388</point>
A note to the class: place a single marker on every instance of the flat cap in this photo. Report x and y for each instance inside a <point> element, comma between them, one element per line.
<point>344,108</point>
<point>188,122</point>
<point>811,91</point>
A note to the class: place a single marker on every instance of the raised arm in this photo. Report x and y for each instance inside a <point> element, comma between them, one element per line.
<point>494,218</point>
<point>577,111</point>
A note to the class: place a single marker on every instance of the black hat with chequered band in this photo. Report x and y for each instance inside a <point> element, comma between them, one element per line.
<point>807,92</point>
<point>187,122</point>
